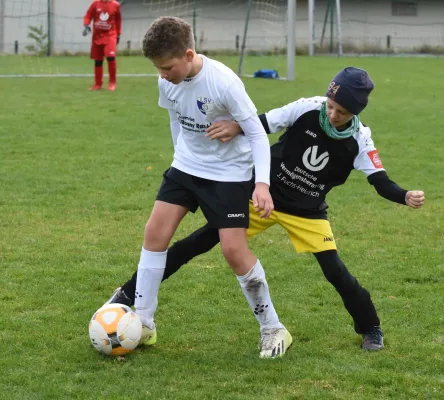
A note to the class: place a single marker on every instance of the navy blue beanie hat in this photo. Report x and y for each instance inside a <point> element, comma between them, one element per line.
<point>350,88</point>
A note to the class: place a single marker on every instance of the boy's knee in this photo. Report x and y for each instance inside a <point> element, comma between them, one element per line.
<point>231,251</point>
<point>157,238</point>
<point>237,253</point>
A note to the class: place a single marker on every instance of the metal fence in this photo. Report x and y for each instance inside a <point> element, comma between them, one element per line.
<point>218,27</point>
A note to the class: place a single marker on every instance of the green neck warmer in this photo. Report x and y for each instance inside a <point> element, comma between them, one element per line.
<point>331,131</point>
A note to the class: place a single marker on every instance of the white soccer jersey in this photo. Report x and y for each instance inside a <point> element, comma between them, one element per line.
<point>215,93</point>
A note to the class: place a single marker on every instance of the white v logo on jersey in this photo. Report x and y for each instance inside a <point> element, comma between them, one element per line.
<point>315,163</point>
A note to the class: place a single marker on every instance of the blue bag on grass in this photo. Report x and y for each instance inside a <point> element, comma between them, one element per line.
<point>266,73</point>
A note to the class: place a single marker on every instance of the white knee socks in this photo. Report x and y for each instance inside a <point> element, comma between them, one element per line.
<point>255,288</point>
<point>149,277</point>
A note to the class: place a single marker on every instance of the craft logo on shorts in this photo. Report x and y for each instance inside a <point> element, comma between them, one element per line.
<point>241,215</point>
<point>205,104</point>
<point>374,158</point>
<point>104,16</point>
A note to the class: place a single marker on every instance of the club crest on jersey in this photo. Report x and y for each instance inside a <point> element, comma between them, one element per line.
<point>104,16</point>
<point>312,161</point>
<point>205,104</point>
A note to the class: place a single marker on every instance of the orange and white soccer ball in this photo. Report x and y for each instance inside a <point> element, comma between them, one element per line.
<point>115,330</point>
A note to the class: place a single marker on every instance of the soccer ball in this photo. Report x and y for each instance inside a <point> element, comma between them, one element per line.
<point>115,330</point>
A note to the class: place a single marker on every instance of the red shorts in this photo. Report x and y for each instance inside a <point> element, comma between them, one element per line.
<point>100,51</point>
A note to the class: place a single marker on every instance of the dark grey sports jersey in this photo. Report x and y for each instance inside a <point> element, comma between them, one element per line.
<point>306,164</point>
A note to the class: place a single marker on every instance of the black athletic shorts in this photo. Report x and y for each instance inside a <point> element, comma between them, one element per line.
<point>224,204</point>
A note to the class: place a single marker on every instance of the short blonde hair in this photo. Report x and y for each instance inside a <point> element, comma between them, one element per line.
<point>168,37</point>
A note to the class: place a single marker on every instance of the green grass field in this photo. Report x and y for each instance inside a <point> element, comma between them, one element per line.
<point>79,172</point>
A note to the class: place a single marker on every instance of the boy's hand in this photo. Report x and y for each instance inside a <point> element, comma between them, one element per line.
<point>223,131</point>
<point>262,200</point>
<point>86,30</point>
<point>414,198</point>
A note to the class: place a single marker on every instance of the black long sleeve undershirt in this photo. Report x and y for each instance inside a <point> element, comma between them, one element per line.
<point>387,188</point>
<point>264,122</point>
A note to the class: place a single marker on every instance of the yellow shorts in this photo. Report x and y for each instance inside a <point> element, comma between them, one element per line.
<point>307,235</point>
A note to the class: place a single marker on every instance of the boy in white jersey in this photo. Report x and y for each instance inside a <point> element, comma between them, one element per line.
<point>212,175</point>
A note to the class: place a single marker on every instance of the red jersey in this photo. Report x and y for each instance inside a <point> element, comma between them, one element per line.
<point>107,20</point>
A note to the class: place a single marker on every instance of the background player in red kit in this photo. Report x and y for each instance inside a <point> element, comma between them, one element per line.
<point>107,23</point>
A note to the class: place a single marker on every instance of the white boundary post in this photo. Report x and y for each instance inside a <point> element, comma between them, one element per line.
<point>338,26</point>
<point>311,38</point>
<point>291,40</point>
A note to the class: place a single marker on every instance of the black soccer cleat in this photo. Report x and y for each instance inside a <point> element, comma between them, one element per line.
<point>119,297</point>
<point>373,340</point>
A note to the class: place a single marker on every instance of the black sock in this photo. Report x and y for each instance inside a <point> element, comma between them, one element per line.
<point>356,299</point>
<point>199,242</point>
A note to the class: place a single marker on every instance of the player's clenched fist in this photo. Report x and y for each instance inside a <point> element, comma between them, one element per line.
<point>414,198</point>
